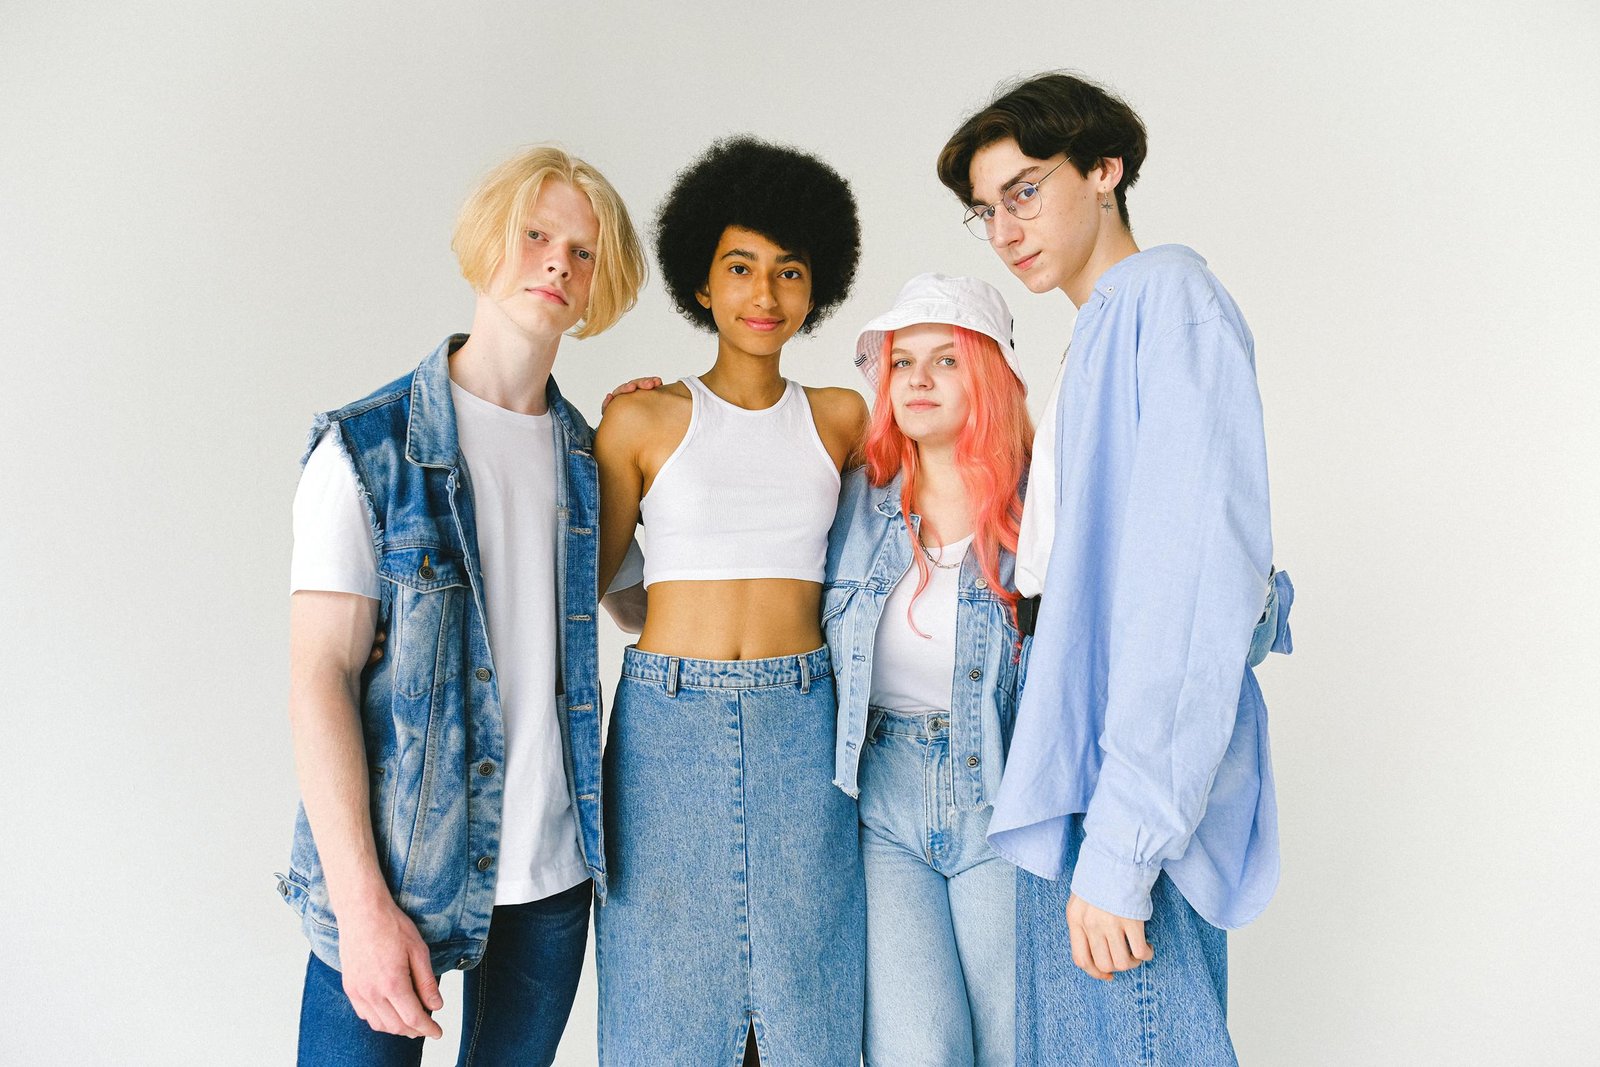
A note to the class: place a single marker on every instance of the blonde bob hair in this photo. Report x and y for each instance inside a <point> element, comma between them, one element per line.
<point>490,226</point>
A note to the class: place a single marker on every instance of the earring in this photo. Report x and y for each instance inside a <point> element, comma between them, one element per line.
<point>1105,201</point>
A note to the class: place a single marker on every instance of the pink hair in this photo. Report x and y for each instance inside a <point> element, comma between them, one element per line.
<point>992,451</point>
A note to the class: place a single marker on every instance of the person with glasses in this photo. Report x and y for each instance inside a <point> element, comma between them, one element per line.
<point>920,613</point>
<point>734,925</point>
<point>1138,796</point>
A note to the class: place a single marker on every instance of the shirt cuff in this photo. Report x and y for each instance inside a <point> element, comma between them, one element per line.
<point>1112,884</point>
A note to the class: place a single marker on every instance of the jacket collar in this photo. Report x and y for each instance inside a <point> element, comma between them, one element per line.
<point>431,439</point>
<point>886,498</point>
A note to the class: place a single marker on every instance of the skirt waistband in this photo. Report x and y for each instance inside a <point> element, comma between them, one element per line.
<point>681,671</point>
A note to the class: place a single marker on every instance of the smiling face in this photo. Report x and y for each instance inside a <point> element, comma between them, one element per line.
<point>926,385</point>
<point>544,288</point>
<point>758,293</point>
<point>1057,249</point>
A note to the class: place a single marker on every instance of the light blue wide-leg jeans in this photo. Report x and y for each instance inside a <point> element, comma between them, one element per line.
<point>941,955</point>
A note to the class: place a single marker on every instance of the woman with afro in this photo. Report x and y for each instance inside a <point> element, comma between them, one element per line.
<point>735,916</point>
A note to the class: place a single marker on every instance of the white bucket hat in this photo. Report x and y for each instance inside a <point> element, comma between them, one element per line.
<point>968,302</point>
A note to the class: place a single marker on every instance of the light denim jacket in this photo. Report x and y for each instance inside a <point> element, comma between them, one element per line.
<point>430,708</point>
<point>869,551</point>
<point>1139,708</point>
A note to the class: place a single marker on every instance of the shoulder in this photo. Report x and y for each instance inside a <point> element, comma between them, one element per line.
<point>638,416</point>
<point>837,410</point>
<point>1174,287</point>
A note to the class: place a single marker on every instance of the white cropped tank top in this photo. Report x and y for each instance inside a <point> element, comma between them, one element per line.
<point>746,494</point>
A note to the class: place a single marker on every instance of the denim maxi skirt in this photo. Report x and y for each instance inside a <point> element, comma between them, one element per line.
<point>736,898</point>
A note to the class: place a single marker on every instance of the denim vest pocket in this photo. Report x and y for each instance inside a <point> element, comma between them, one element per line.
<point>422,587</point>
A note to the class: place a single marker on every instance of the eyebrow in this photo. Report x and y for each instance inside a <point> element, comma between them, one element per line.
<point>583,241</point>
<point>787,257</point>
<point>946,347</point>
<point>1008,183</point>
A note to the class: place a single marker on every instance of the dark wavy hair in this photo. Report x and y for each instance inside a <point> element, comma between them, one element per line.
<point>1045,115</point>
<point>792,198</point>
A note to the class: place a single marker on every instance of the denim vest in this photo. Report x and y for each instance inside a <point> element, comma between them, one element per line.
<point>869,550</point>
<point>430,708</point>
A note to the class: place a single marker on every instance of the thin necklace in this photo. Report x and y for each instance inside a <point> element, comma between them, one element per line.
<point>942,566</point>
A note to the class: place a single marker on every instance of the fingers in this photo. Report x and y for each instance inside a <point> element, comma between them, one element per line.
<point>1100,952</point>
<point>1140,947</point>
<point>1081,955</point>
<point>426,982</point>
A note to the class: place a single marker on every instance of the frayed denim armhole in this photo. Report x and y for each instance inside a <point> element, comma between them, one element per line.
<point>323,423</point>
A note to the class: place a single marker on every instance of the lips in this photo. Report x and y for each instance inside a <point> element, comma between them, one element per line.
<point>1025,262</point>
<point>552,295</point>
<point>920,405</point>
<point>762,325</point>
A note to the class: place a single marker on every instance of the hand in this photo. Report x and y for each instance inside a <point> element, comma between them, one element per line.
<point>387,973</point>
<point>378,638</point>
<point>628,387</point>
<point>1102,942</point>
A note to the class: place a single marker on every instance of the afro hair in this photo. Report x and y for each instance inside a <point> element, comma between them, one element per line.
<point>789,197</point>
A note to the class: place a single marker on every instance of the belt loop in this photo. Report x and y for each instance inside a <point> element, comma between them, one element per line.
<point>672,676</point>
<point>805,674</point>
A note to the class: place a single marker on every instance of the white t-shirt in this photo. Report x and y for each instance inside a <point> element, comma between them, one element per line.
<point>912,673</point>
<point>511,464</point>
<point>1038,531</point>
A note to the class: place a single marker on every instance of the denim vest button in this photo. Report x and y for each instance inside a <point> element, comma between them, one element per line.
<point>486,768</point>
<point>485,862</point>
<point>981,584</point>
<point>936,724</point>
<point>972,761</point>
<point>482,674</point>
<point>461,964</point>
<point>425,572</point>
<point>976,674</point>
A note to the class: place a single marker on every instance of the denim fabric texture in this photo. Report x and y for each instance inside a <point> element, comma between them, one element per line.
<point>1171,1011</point>
<point>869,551</point>
<point>516,1000</point>
<point>1139,710</point>
<point>941,950</point>
<point>430,709</point>
<point>736,888</point>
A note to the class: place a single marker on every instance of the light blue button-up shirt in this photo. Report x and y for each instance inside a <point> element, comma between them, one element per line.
<point>1138,708</point>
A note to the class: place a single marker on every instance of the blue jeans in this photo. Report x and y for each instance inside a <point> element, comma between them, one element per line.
<point>736,898</point>
<point>1172,1010</point>
<point>516,999</point>
<point>941,955</point>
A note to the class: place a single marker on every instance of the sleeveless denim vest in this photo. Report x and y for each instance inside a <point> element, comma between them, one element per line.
<point>430,708</point>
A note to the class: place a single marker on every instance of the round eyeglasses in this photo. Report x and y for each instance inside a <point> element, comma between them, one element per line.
<point>1020,198</point>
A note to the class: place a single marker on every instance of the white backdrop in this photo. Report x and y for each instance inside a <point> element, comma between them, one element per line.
<point>216,219</point>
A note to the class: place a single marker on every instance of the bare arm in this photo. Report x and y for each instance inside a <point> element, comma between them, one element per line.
<point>387,972</point>
<point>617,446</point>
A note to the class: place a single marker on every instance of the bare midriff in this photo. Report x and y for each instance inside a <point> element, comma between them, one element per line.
<point>743,618</point>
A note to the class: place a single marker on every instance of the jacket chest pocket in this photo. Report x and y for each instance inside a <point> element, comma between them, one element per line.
<point>426,591</point>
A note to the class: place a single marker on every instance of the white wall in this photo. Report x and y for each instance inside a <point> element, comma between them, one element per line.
<point>216,219</point>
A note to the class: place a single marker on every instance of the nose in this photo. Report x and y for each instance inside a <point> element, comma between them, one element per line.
<point>1006,230</point>
<point>761,291</point>
<point>918,376</point>
<point>557,261</point>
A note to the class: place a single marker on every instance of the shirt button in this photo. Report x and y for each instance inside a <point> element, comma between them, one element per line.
<point>482,674</point>
<point>486,768</point>
<point>485,862</point>
<point>972,761</point>
<point>981,584</point>
<point>976,674</point>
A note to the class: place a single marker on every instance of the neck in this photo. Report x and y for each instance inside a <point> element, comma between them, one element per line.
<point>1114,245</point>
<point>502,364</point>
<point>941,498</point>
<point>745,380</point>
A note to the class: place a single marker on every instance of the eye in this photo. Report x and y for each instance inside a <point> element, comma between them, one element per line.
<point>899,363</point>
<point>792,274</point>
<point>535,235</point>
<point>584,254</point>
<point>947,361</point>
<point>739,268</point>
<point>1024,193</point>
